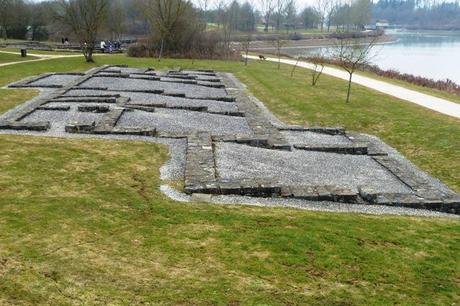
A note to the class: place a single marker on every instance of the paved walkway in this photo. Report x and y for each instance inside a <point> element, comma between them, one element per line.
<point>434,103</point>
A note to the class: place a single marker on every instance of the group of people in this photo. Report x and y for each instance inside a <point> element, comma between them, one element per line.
<point>109,46</point>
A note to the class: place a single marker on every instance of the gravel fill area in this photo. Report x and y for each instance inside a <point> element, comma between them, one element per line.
<point>137,84</point>
<point>311,138</point>
<point>408,166</point>
<point>59,119</point>
<point>297,167</point>
<point>126,70</point>
<point>325,206</point>
<point>181,121</point>
<point>149,98</point>
<point>55,80</point>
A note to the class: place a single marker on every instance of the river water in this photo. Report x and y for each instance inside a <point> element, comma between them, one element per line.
<point>430,54</point>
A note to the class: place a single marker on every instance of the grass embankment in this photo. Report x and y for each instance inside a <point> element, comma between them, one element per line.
<point>429,91</point>
<point>84,222</point>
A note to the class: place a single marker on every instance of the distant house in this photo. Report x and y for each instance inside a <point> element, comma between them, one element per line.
<point>382,24</point>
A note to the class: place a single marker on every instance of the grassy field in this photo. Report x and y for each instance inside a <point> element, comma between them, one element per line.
<point>430,91</point>
<point>42,52</point>
<point>84,222</point>
<point>7,58</point>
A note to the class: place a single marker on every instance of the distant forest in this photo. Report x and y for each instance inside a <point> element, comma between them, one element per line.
<point>37,20</point>
<point>416,14</point>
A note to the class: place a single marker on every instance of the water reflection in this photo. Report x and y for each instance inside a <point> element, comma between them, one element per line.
<point>430,54</point>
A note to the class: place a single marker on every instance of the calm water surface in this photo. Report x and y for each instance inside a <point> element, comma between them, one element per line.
<point>433,55</point>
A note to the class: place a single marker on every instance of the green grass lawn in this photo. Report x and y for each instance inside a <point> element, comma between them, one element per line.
<point>8,58</point>
<point>84,222</point>
<point>42,52</point>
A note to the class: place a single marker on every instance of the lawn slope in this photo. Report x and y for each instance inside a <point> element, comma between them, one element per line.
<point>84,222</point>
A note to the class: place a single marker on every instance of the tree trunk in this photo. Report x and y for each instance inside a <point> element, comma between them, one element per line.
<point>349,88</point>
<point>294,67</point>
<point>161,49</point>
<point>89,55</point>
<point>246,58</point>
<point>279,59</point>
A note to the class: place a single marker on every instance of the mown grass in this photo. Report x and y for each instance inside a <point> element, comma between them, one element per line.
<point>84,222</point>
<point>43,52</point>
<point>8,58</point>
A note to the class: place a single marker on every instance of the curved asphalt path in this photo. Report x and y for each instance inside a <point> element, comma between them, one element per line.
<point>434,103</point>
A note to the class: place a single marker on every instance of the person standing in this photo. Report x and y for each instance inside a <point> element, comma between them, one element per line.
<point>103,46</point>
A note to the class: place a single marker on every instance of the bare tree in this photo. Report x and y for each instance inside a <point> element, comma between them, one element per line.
<point>267,7</point>
<point>318,67</point>
<point>5,16</point>
<point>278,43</point>
<point>203,4</point>
<point>245,45</point>
<point>322,8</point>
<point>84,18</point>
<point>352,54</point>
<point>163,16</point>
<point>116,21</point>
<point>280,6</point>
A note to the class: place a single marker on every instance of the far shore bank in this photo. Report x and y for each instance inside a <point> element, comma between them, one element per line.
<point>312,43</point>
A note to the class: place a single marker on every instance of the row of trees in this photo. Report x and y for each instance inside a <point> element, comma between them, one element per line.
<point>421,14</point>
<point>285,14</point>
<point>19,18</point>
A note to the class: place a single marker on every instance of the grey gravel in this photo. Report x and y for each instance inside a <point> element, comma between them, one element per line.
<point>310,138</point>
<point>235,161</point>
<point>55,80</point>
<point>149,98</point>
<point>126,70</point>
<point>182,121</point>
<point>137,84</point>
<point>59,119</point>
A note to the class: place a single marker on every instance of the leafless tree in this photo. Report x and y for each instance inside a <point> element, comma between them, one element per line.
<point>280,6</point>
<point>321,8</point>
<point>351,54</point>
<point>278,43</point>
<point>163,17</point>
<point>116,21</point>
<point>318,67</point>
<point>5,16</point>
<point>84,18</point>
<point>245,45</point>
<point>267,7</point>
